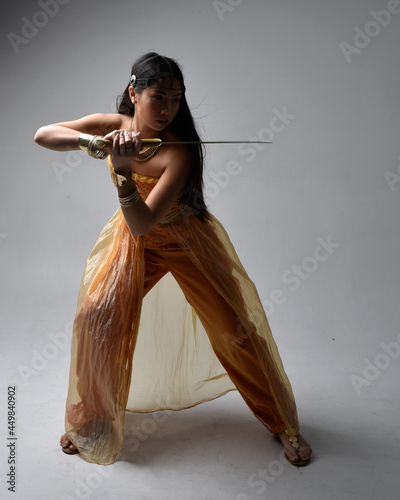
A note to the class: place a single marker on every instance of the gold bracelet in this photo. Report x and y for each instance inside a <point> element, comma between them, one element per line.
<point>93,149</point>
<point>83,141</point>
<point>92,144</point>
<point>130,200</point>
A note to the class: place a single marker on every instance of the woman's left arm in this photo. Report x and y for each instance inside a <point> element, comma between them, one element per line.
<point>143,215</point>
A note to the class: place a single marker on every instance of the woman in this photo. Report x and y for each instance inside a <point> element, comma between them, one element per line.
<point>198,340</point>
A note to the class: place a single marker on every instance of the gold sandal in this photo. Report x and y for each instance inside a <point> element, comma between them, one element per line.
<point>293,439</point>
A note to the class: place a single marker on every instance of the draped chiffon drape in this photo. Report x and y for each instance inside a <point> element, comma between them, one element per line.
<point>167,320</point>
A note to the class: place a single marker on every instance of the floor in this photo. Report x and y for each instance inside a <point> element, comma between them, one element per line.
<point>218,450</point>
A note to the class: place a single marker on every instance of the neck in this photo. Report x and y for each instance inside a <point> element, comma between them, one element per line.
<point>145,132</point>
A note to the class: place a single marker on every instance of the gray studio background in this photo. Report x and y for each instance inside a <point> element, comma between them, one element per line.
<point>314,218</point>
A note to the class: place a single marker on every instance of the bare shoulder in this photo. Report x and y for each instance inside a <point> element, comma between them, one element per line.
<point>178,156</point>
<point>179,152</point>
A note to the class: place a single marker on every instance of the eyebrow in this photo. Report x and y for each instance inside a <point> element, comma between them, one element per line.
<point>162,92</point>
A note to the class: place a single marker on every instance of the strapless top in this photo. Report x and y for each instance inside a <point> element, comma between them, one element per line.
<point>145,185</point>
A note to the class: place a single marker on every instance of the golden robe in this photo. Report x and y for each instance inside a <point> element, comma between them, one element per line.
<point>167,320</point>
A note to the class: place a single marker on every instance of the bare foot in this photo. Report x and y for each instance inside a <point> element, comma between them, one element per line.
<point>67,446</point>
<point>302,454</point>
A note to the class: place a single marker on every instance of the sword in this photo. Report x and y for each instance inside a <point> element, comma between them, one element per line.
<point>107,144</point>
<point>206,142</point>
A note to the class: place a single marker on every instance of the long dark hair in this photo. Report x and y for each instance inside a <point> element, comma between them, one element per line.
<point>152,68</point>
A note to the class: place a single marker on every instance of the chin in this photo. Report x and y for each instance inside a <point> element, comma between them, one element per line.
<point>162,125</point>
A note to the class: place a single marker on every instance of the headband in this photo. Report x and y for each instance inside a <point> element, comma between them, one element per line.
<point>145,81</point>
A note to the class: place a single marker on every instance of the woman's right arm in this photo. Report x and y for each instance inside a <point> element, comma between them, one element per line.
<point>64,136</point>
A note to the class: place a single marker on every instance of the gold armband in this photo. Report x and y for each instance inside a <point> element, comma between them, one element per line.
<point>83,141</point>
<point>92,144</point>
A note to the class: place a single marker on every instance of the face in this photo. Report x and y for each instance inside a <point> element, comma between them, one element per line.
<point>157,105</point>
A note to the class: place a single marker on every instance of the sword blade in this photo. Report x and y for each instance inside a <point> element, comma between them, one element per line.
<point>211,142</point>
<point>107,144</point>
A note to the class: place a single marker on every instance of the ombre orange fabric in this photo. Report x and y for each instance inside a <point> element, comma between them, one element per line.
<point>167,320</point>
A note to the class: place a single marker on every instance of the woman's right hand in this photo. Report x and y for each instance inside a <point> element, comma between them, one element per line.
<point>126,147</point>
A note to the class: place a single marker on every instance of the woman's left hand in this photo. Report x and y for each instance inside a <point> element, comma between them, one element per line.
<point>126,147</point>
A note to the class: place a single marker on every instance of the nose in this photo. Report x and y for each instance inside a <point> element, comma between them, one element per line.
<point>166,109</point>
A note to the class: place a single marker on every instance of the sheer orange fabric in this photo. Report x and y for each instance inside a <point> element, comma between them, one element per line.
<point>167,321</point>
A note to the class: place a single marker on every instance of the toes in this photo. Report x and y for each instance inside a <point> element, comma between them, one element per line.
<point>304,455</point>
<point>65,442</point>
<point>305,452</point>
<point>71,446</point>
<point>293,456</point>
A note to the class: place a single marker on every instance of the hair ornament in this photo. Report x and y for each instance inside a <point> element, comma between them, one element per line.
<point>157,77</point>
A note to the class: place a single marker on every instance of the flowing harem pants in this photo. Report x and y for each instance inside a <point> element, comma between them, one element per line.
<point>234,349</point>
<point>104,349</point>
